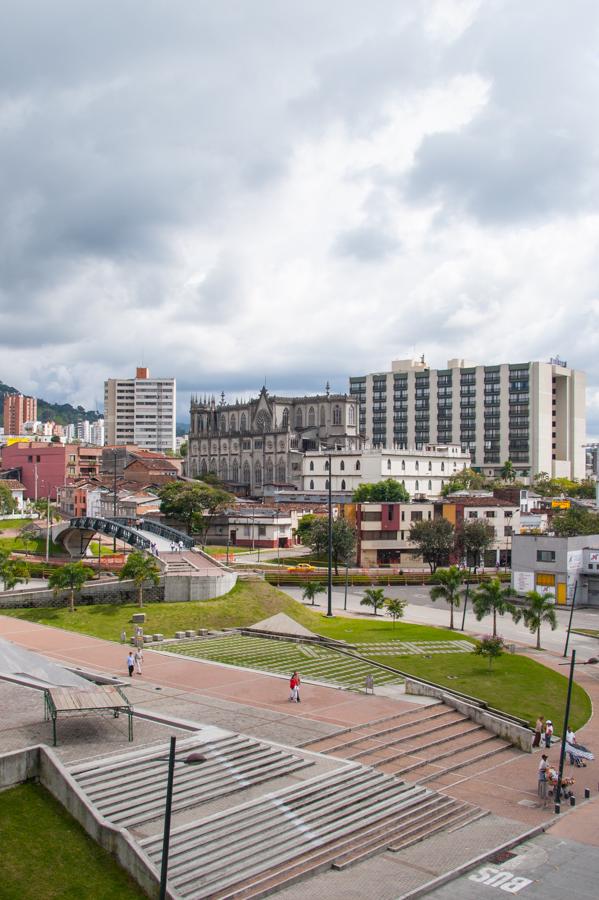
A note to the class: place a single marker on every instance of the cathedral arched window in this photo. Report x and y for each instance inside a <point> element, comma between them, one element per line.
<point>224,470</point>
<point>311,484</point>
<point>281,471</point>
<point>351,416</point>
<point>342,466</point>
<point>242,422</point>
<point>204,467</point>
<point>223,423</point>
<point>235,471</point>
<point>285,421</point>
<point>258,474</point>
<point>311,416</point>
<point>322,417</point>
<point>213,466</point>
<point>247,475</point>
<point>336,414</point>
<point>233,423</point>
<point>343,484</point>
<point>311,465</point>
<point>357,465</point>
<point>299,417</point>
<point>269,471</point>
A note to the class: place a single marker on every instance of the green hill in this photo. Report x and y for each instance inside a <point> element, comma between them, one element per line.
<point>62,413</point>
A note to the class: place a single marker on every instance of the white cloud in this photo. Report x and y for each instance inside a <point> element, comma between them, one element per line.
<point>297,192</point>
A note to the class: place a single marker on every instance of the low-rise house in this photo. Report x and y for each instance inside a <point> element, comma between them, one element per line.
<point>17,491</point>
<point>557,565</point>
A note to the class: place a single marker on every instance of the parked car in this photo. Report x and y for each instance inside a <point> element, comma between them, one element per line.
<point>301,567</point>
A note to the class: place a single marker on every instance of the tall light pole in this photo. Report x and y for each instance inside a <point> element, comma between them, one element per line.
<point>114,499</point>
<point>562,756</point>
<point>192,759</point>
<point>330,542</point>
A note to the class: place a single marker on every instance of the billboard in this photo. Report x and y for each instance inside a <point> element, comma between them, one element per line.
<point>523,582</point>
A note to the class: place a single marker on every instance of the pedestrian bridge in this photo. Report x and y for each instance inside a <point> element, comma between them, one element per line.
<point>141,534</point>
<point>190,573</point>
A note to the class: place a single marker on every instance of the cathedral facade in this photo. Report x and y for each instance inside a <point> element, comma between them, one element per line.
<point>251,444</point>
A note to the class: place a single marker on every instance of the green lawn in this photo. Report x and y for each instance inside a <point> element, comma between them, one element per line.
<point>249,602</point>
<point>516,684</point>
<point>46,855</point>
<point>105,549</point>
<point>36,546</point>
<point>13,524</point>
<point>216,550</point>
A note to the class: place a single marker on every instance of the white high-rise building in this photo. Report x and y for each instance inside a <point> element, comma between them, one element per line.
<point>141,411</point>
<point>531,413</point>
<point>96,433</point>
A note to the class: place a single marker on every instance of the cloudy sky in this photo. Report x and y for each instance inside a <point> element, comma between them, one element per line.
<point>239,191</point>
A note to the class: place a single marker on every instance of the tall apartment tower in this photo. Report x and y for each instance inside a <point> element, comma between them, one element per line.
<point>17,410</point>
<point>532,413</point>
<point>141,411</point>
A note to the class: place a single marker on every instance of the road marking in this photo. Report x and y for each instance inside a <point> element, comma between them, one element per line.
<point>499,878</point>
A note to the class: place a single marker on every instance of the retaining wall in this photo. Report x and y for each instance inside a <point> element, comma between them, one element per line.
<point>42,764</point>
<point>182,588</point>
<point>510,731</point>
<point>109,592</point>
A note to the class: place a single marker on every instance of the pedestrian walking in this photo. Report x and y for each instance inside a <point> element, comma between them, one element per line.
<point>123,636</point>
<point>139,658</point>
<point>294,685</point>
<point>173,546</point>
<point>548,734</point>
<point>536,742</point>
<point>130,663</point>
<point>542,777</point>
<point>181,546</point>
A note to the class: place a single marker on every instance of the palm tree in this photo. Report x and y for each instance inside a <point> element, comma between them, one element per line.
<point>72,577</point>
<point>374,597</point>
<point>447,587</point>
<point>539,609</point>
<point>140,569</point>
<point>12,571</point>
<point>395,608</point>
<point>492,597</point>
<point>311,589</point>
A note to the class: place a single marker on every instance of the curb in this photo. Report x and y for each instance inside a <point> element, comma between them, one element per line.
<point>476,861</point>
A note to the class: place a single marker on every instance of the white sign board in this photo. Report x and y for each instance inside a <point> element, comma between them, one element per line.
<point>594,556</point>
<point>523,582</point>
<point>574,559</point>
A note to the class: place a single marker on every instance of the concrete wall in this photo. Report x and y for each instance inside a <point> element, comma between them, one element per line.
<point>42,764</point>
<point>510,731</point>
<point>93,592</point>
<point>181,588</point>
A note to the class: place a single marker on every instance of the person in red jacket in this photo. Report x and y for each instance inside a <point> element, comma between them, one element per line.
<point>294,684</point>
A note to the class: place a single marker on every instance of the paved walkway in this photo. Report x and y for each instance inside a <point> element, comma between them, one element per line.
<point>507,788</point>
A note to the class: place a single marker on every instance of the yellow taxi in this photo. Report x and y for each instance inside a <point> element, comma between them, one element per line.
<point>301,567</point>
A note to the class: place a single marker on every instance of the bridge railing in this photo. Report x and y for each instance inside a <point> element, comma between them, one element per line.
<point>165,531</point>
<point>112,528</point>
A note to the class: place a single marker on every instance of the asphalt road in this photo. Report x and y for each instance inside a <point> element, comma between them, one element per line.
<point>545,867</point>
<point>423,611</point>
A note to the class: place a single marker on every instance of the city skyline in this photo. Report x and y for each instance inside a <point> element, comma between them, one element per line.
<point>295,193</point>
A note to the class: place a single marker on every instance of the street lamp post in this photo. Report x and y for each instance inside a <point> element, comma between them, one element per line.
<point>562,756</point>
<point>330,543</point>
<point>114,499</point>
<point>192,759</point>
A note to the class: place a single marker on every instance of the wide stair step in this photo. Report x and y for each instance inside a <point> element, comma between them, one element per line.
<point>221,856</point>
<point>132,789</point>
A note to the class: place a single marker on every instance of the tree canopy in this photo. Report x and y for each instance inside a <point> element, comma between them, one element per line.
<point>473,538</point>
<point>12,571</point>
<point>388,491</point>
<point>72,577</point>
<point>193,503</point>
<point>466,480</point>
<point>8,504</point>
<point>575,521</point>
<point>434,539</point>
<point>344,539</point>
<point>141,569</point>
<point>304,526</point>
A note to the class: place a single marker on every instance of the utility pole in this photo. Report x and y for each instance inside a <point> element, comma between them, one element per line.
<point>114,499</point>
<point>330,542</point>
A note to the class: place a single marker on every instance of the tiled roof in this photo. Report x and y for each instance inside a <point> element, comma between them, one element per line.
<point>12,484</point>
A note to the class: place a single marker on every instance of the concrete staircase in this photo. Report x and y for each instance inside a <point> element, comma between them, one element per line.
<point>424,744</point>
<point>334,820</point>
<point>131,789</point>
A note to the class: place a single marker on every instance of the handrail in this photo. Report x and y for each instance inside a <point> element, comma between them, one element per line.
<point>111,527</point>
